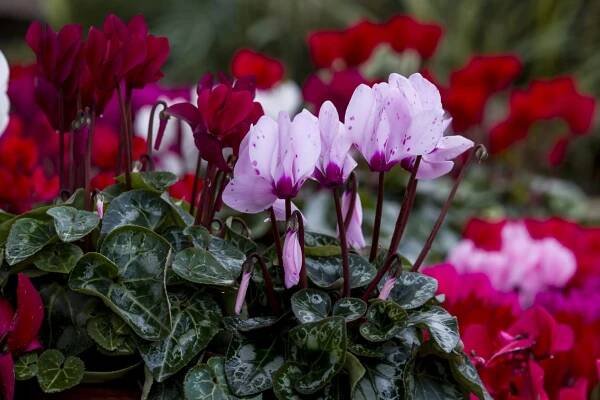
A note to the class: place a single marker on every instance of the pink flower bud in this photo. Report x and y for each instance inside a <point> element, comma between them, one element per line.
<point>241,294</point>
<point>100,205</point>
<point>292,258</point>
<point>389,284</point>
<point>354,233</point>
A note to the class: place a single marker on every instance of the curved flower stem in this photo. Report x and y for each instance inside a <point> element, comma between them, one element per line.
<point>378,212</point>
<point>288,208</point>
<point>207,199</point>
<point>444,211</point>
<point>150,132</point>
<point>407,203</point>
<point>195,185</point>
<point>215,201</point>
<point>88,160</point>
<point>271,297</point>
<point>343,242</point>
<point>125,136</point>
<point>353,194</point>
<point>303,279</point>
<point>276,238</point>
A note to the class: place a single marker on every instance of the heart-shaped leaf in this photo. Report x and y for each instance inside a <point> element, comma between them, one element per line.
<point>27,236</point>
<point>442,326</point>
<point>466,374</point>
<point>249,367</point>
<point>72,224</point>
<point>178,212</point>
<point>57,373</point>
<point>412,289</point>
<point>60,258</point>
<point>350,308</point>
<point>167,390</point>
<point>385,319</point>
<point>178,240</point>
<point>289,373</point>
<point>157,181</point>
<point>137,207</point>
<point>326,272</point>
<point>310,305</point>
<point>429,379</point>
<point>237,324</point>
<point>26,367</point>
<point>196,320</point>
<point>370,350</point>
<point>320,245</point>
<point>320,348</point>
<point>199,265</point>
<point>129,278</point>
<point>383,377</point>
<point>200,384</point>
<point>111,333</point>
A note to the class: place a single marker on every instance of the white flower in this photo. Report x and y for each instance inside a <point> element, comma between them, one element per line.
<point>4,101</point>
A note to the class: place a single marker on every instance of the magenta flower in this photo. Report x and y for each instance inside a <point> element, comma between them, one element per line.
<point>276,158</point>
<point>335,163</point>
<point>20,329</point>
<point>292,258</point>
<point>354,233</point>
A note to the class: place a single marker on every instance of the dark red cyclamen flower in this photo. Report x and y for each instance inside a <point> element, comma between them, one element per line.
<point>471,86</point>
<point>20,329</point>
<point>59,65</point>
<point>267,71</point>
<point>543,100</point>
<point>336,87</point>
<point>222,117</point>
<point>404,32</point>
<point>182,189</point>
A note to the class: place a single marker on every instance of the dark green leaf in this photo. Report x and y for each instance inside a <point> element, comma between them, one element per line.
<point>430,380</point>
<point>288,374</point>
<point>385,319</point>
<point>320,348</point>
<point>310,305</point>
<point>27,236</point>
<point>59,258</point>
<point>107,376</point>
<point>182,217</point>
<point>196,320</point>
<point>129,278</point>
<point>199,384</point>
<point>111,333</point>
<point>466,374</point>
<point>442,326</point>
<point>136,207</point>
<point>350,308</point>
<point>412,289</point>
<point>326,272</point>
<point>202,266</point>
<point>383,377</point>
<point>355,370</point>
<point>5,216</point>
<point>57,373</point>
<point>178,240</point>
<point>168,390</point>
<point>249,367</point>
<point>26,367</point>
<point>365,350</point>
<point>237,324</point>
<point>72,224</point>
<point>320,245</point>
<point>157,181</point>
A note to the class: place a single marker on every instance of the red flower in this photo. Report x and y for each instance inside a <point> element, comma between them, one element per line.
<point>223,115</point>
<point>543,100</point>
<point>182,189</point>
<point>266,71</point>
<point>102,180</point>
<point>336,87</point>
<point>471,86</point>
<point>20,329</point>
<point>404,32</point>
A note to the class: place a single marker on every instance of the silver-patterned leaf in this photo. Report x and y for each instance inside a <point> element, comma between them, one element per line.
<point>157,181</point>
<point>201,266</point>
<point>350,308</point>
<point>382,377</point>
<point>59,257</point>
<point>429,379</point>
<point>57,373</point>
<point>26,366</point>
<point>249,368</point>
<point>72,224</point>
<point>196,320</point>
<point>237,324</point>
<point>111,333</point>
<point>27,236</point>
<point>136,207</point>
<point>385,319</point>
<point>412,289</point>
<point>200,384</point>
<point>310,305</point>
<point>466,374</point>
<point>442,326</point>
<point>326,272</point>
<point>320,348</point>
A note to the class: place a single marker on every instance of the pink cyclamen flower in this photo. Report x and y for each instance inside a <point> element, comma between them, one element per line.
<point>4,102</point>
<point>354,233</point>
<point>241,294</point>
<point>389,284</point>
<point>335,163</point>
<point>292,258</point>
<point>276,158</point>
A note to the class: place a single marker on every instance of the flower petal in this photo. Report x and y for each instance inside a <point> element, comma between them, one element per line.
<point>359,114</point>
<point>6,316</point>
<point>450,147</point>
<point>28,317</point>
<point>263,146</point>
<point>424,133</point>
<point>305,145</point>
<point>433,169</point>
<point>292,259</point>
<point>7,376</point>
<point>428,92</point>
<point>249,194</point>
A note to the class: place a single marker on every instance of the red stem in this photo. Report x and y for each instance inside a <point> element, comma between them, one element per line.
<point>195,185</point>
<point>272,299</point>
<point>343,242</point>
<point>378,212</point>
<point>276,238</point>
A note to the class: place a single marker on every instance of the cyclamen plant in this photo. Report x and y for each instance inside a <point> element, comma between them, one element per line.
<point>189,305</point>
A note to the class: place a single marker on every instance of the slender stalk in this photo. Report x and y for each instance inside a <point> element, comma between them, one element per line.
<point>203,195</point>
<point>210,186</point>
<point>353,195</point>
<point>219,198</point>
<point>61,141</point>
<point>378,212</point>
<point>343,242</point>
<point>195,185</point>
<point>126,145</point>
<point>401,221</point>
<point>216,196</point>
<point>288,208</point>
<point>271,298</point>
<point>303,278</point>
<point>150,132</point>
<point>276,238</point>
<point>88,161</point>
<point>443,212</point>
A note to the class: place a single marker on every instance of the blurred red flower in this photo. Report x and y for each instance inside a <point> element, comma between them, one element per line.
<point>182,189</point>
<point>335,86</point>
<point>266,71</point>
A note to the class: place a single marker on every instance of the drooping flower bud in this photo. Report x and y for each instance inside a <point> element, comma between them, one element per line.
<point>292,258</point>
<point>241,294</point>
<point>389,284</point>
<point>354,233</point>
